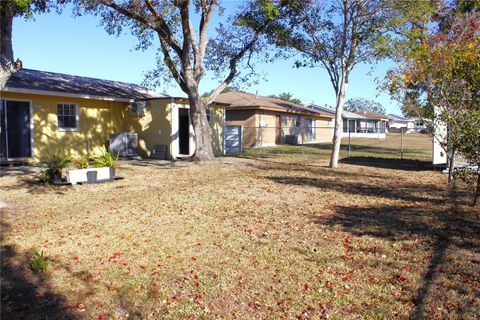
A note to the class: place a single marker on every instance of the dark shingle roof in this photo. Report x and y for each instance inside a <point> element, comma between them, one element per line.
<point>322,108</point>
<point>29,79</point>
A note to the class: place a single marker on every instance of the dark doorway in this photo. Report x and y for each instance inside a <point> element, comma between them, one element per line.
<point>184,131</point>
<point>3,131</point>
<point>16,136</point>
<point>278,130</point>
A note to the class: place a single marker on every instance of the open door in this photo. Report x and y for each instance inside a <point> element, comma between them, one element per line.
<point>184,131</point>
<point>16,135</point>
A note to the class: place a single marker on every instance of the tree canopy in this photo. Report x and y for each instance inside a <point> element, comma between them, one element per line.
<point>362,104</point>
<point>187,49</point>
<point>286,96</point>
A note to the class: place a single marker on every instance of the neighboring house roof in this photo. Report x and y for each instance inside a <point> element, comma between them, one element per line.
<point>399,118</point>
<point>43,82</point>
<point>372,115</point>
<point>243,100</point>
<point>345,114</point>
<point>352,115</point>
<point>322,108</point>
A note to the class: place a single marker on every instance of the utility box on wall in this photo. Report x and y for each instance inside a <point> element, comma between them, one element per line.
<point>124,144</point>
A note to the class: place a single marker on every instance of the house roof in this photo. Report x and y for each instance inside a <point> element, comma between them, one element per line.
<point>243,100</point>
<point>372,115</point>
<point>325,109</point>
<point>399,118</point>
<point>352,115</point>
<point>44,82</point>
<point>345,114</point>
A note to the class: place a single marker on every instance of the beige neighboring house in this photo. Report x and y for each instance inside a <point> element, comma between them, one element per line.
<point>269,121</point>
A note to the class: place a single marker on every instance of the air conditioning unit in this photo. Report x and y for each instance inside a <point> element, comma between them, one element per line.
<point>138,107</point>
<point>124,144</point>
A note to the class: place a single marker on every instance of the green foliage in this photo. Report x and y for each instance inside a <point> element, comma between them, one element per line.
<point>286,96</point>
<point>55,165</point>
<point>106,159</point>
<point>361,104</point>
<point>39,262</point>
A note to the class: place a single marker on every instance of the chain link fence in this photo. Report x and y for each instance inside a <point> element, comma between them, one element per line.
<point>317,141</point>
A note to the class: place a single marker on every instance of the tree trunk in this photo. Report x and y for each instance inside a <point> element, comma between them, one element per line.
<point>201,128</point>
<point>337,134</point>
<point>451,160</point>
<point>7,66</point>
<point>477,191</point>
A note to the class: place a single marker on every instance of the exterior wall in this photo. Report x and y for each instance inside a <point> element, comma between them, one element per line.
<point>246,119</point>
<point>154,127</point>
<point>97,120</point>
<point>364,135</point>
<point>324,130</point>
<point>159,125</point>
<point>259,127</point>
<point>266,132</point>
<point>217,123</point>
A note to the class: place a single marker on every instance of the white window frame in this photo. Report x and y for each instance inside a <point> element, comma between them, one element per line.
<point>77,118</point>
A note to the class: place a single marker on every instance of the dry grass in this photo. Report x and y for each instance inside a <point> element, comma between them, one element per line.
<point>255,238</point>
<point>415,147</point>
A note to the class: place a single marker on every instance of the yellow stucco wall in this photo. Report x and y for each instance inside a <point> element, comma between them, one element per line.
<point>154,127</point>
<point>217,123</point>
<point>98,119</point>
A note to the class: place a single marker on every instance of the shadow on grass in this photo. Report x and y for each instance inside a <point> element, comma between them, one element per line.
<point>33,185</point>
<point>26,295</point>
<point>436,195</point>
<point>385,163</point>
<point>445,227</point>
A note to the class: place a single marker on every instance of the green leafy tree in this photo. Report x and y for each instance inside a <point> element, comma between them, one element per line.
<point>9,10</point>
<point>336,35</point>
<point>188,52</point>
<point>286,96</point>
<point>440,78</point>
<point>361,104</point>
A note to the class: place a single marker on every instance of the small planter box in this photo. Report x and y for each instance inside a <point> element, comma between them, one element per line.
<point>90,175</point>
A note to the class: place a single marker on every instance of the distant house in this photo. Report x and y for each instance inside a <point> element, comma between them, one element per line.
<point>41,112</point>
<point>399,123</point>
<point>269,121</point>
<point>361,124</point>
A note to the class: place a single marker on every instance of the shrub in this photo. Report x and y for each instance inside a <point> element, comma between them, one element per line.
<point>81,163</point>
<point>106,159</point>
<point>39,262</point>
<point>55,165</point>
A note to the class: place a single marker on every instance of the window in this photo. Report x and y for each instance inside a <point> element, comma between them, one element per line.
<point>67,117</point>
<point>209,115</point>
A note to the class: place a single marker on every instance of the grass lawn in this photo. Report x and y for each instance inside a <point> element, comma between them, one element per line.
<point>263,237</point>
<point>415,147</point>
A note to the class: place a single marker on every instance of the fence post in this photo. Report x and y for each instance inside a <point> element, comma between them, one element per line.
<point>401,143</point>
<point>349,142</point>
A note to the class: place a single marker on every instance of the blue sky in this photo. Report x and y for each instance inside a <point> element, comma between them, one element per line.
<point>80,46</point>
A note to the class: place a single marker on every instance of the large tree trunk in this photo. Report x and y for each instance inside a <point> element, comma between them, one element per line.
<point>202,129</point>
<point>337,133</point>
<point>7,67</point>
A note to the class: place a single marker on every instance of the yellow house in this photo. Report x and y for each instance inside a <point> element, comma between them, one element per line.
<point>41,112</point>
